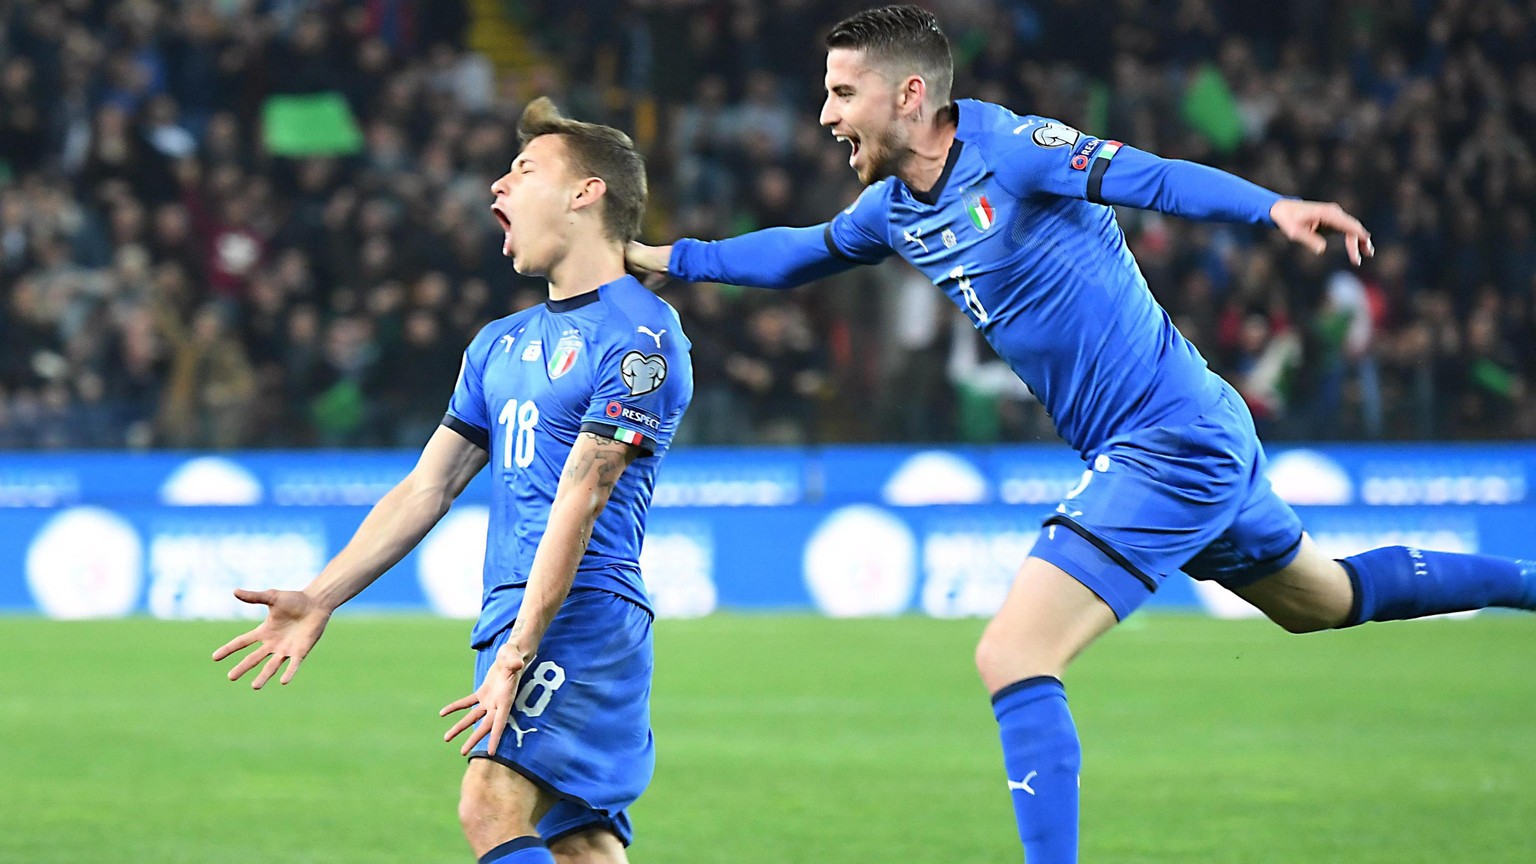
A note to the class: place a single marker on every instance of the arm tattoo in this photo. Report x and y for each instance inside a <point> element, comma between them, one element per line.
<point>608,458</point>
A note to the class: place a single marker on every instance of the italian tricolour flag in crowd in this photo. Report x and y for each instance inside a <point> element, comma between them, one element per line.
<point>980,210</point>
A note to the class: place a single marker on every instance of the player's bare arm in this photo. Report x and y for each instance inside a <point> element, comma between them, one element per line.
<point>1305,221</point>
<point>296,619</point>
<point>591,471</point>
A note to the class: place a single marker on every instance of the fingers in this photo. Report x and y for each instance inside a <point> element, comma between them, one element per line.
<point>498,723</point>
<point>265,598</point>
<point>268,671</point>
<point>249,663</point>
<point>476,736</point>
<point>1357,240</point>
<point>243,640</point>
<point>459,705</point>
<point>293,668</point>
<point>465,722</point>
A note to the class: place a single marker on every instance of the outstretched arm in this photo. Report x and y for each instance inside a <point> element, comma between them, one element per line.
<point>1135,178</point>
<point>777,257</point>
<point>296,619</point>
<point>591,471</point>
<point>770,258</point>
<point>1046,157</point>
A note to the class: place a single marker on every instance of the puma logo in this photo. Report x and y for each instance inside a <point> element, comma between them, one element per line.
<point>520,732</point>
<point>654,335</point>
<point>1023,785</point>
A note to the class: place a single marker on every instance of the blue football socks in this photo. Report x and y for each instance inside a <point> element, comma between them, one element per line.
<point>519,850</point>
<point>1396,583</point>
<point>1043,757</point>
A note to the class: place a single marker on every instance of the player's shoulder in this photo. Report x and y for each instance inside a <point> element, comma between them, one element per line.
<point>492,332</point>
<point>635,313</point>
<point>874,200</point>
<point>995,127</point>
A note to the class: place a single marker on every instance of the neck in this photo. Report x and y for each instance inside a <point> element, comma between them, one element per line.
<point>587,267</point>
<point>928,150</point>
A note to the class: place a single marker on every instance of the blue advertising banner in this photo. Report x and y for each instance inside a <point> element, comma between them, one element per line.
<point>849,531</point>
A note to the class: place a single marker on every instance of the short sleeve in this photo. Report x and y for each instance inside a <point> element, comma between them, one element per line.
<point>466,408</point>
<point>643,383</point>
<point>1042,156</point>
<point>858,234</point>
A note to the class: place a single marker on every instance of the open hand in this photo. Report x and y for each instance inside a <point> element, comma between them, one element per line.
<point>295,622</point>
<point>1305,222</point>
<point>493,698</point>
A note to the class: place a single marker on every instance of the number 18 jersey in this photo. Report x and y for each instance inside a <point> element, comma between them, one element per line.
<point>612,362</point>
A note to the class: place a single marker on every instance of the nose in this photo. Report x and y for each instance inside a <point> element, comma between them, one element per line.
<point>501,186</point>
<point>828,113</point>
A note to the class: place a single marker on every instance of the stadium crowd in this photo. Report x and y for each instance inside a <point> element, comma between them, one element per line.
<point>168,280</point>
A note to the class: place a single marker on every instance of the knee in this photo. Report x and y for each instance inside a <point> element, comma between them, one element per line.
<point>1003,658</point>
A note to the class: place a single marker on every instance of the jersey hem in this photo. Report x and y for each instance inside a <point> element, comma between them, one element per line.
<point>538,780</point>
<point>1098,543</point>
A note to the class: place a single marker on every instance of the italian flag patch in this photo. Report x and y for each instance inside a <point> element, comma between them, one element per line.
<point>980,210</point>
<point>627,436</point>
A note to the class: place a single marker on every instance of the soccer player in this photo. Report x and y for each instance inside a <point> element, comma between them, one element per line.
<point>1010,215</point>
<point>572,403</point>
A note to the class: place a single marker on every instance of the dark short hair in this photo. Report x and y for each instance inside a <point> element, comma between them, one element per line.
<point>595,151</point>
<point>906,38</point>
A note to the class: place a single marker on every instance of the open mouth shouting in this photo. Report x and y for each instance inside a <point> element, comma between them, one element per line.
<point>506,229</point>
<point>852,141</point>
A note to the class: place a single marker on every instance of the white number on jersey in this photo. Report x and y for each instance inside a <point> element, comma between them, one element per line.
<point>517,439</point>
<point>539,688</point>
<point>972,302</point>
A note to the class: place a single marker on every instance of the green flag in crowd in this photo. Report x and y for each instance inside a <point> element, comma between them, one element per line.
<point>311,124</point>
<point>1210,108</point>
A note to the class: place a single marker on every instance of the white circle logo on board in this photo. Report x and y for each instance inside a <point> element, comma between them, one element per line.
<point>935,477</point>
<point>1309,477</point>
<point>86,562</point>
<point>210,481</point>
<point>451,561</point>
<point>861,561</point>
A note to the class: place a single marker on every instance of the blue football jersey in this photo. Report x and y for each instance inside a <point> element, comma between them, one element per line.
<point>1016,233</point>
<point>613,362</point>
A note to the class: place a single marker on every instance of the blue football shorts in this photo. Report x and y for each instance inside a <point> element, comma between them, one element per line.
<point>1191,497</point>
<point>580,727</point>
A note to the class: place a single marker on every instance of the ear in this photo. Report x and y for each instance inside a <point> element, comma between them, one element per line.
<point>588,191</point>
<point>911,93</point>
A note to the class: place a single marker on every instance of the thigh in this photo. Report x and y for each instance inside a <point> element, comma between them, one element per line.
<point>580,725</point>
<point>1048,618</point>
<point>496,802</point>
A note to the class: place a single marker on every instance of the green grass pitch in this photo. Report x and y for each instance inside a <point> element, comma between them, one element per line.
<point>791,739</point>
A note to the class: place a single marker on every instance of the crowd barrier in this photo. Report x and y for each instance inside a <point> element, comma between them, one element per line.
<point>848,531</point>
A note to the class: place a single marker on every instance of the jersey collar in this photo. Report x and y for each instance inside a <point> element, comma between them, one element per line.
<point>931,197</point>
<point>584,299</point>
